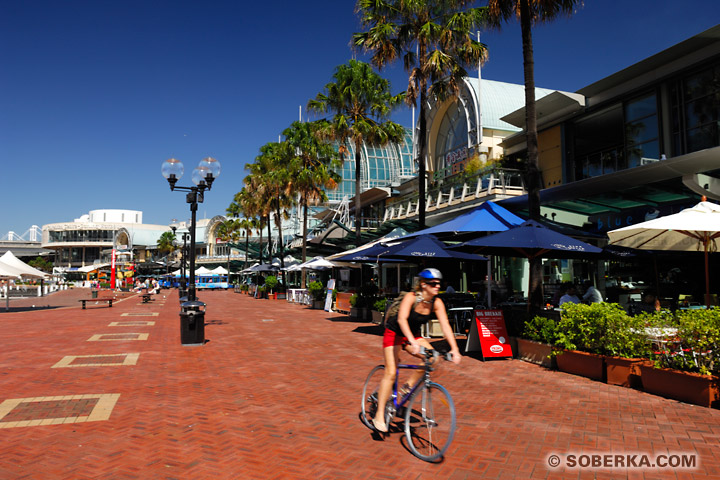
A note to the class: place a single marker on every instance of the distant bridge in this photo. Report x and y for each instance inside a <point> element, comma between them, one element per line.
<point>32,234</point>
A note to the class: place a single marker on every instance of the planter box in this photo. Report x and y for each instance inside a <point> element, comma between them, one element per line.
<point>583,364</point>
<point>360,313</point>
<point>377,317</point>
<point>624,372</point>
<point>687,387</point>
<point>281,296</point>
<point>318,304</point>
<point>536,352</point>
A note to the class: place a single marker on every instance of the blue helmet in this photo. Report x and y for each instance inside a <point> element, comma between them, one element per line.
<point>430,274</point>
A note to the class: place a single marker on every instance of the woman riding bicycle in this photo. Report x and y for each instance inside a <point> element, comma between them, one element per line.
<point>403,332</point>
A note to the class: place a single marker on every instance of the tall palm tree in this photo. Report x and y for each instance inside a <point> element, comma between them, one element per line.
<point>360,101</point>
<point>166,243</point>
<point>434,39</point>
<point>245,205</point>
<point>229,232</point>
<point>530,12</point>
<point>275,182</point>
<point>310,168</point>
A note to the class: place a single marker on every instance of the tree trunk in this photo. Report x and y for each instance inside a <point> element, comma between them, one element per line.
<point>304,245</point>
<point>247,247</point>
<point>278,222</point>
<point>358,188</point>
<point>532,171</point>
<point>422,158</point>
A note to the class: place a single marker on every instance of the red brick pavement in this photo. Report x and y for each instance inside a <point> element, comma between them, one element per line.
<point>275,393</point>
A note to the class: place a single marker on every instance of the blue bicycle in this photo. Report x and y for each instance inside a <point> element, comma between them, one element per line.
<point>427,408</point>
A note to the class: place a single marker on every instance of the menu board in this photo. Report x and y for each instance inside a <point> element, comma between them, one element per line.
<point>488,335</point>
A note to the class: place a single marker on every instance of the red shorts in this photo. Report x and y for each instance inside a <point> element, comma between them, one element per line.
<point>391,339</point>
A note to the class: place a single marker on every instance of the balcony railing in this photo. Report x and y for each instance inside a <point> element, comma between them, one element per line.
<point>457,190</point>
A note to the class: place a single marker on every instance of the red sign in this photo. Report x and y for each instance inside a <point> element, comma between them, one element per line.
<point>490,331</point>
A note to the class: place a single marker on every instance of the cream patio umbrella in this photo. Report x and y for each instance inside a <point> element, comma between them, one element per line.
<point>693,229</point>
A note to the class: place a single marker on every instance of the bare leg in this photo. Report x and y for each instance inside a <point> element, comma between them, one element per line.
<point>386,385</point>
<point>416,375</point>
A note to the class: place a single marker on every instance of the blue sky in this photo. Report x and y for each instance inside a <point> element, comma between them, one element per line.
<point>96,94</point>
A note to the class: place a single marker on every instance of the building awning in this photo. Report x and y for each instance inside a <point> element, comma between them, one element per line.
<point>650,187</point>
<point>556,105</point>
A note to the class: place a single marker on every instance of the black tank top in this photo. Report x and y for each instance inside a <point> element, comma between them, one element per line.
<point>415,321</point>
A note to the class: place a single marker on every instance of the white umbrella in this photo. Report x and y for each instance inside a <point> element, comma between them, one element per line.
<point>219,271</point>
<point>317,263</point>
<point>692,229</point>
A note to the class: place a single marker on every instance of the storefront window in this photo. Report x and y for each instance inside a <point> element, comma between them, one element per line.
<point>641,131</point>
<point>696,111</point>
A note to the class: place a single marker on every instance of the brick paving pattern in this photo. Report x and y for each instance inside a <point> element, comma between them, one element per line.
<point>275,393</point>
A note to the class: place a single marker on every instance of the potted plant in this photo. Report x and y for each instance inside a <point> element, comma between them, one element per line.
<point>536,343</point>
<point>687,365</point>
<point>244,288</point>
<point>271,282</point>
<point>261,292</point>
<point>625,347</point>
<point>579,339</point>
<point>378,310</point>
<point>317,293</point>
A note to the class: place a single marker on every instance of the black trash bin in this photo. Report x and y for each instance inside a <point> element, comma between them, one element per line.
<point>93,293</point>
<point>192,323</point>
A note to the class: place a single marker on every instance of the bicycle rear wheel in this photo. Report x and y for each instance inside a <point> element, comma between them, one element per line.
<point>430,422</point>
<point>369,395</point>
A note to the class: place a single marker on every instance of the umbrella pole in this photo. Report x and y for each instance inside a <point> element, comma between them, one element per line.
<point>707,276</point>
<point>489,278</point>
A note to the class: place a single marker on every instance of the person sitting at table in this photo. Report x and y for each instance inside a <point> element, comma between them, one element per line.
<point>570,296</point>
<point>592,294</point>
<point>649,304</point>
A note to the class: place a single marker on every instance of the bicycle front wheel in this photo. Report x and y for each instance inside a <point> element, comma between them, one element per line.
<point>430,422</point>
<point>369,395</point>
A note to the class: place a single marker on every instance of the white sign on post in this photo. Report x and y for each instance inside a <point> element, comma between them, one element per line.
<point>328,297</point>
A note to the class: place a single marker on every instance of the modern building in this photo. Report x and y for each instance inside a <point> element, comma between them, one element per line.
<point>87,242</point>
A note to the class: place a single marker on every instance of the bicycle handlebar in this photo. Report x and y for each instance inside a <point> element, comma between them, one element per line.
<point>432,353</point>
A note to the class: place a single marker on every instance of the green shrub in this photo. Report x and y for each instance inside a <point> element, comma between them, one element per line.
<point>271,282</point>
<point>541,329</point>
<point>696,346</point>
<point>316,290</point>
<point>380,305</point>
<point>601,328</point>
<point>353,300</point>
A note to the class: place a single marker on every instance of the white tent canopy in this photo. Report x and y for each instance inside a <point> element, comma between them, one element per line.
<point>25,270</point>
<point>317,263</point>
<point>219,271</point>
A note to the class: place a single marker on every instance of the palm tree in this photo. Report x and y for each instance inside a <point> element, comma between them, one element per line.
<point>229,232</point>
<point>166,243</point>
<point>247,225</point>
<point>245,204</point>
<point>310,169</point>
<point>529,13</point>
<point>434,40</point>
<point>274,181</point>
<point>360,101</point>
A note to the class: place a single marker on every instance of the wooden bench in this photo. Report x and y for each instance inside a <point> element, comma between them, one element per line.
<point>108,300</point>
<point>146,297</point>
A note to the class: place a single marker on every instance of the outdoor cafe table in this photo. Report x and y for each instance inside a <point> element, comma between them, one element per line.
<point>297,295</point>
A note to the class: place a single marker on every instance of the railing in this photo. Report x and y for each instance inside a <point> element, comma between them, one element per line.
<point>457,189</point>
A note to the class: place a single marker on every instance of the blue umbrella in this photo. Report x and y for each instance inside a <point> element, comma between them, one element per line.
<point>488,217</point>
<point>425,246</point>
<point>529,239</point>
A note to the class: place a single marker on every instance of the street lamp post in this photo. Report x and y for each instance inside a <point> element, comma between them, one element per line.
<point>192,315</point>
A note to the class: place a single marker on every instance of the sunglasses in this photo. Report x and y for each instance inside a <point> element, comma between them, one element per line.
<point>433,284</point>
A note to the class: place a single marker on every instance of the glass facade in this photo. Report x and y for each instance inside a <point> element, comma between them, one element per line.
<point>380,167</point>
<point>451,147</point>
<point>65,236</point>
<point>696,111</point>
<point>642,140</point>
